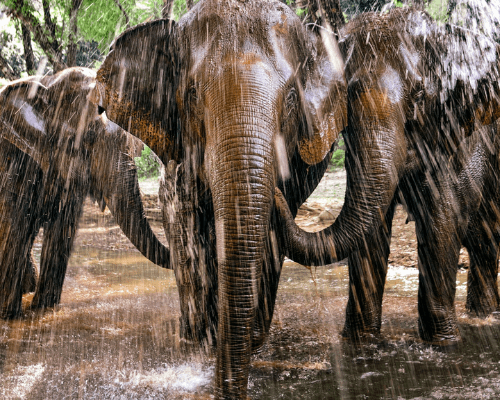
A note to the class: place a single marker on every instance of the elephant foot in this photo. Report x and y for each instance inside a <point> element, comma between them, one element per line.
<point>29,279</point>
<point>359,336</point>
<point>10,312</point>
<point>29,284</point>
<point>362,327</point>
<point>10,306</point>
<point>481,307</point>
<point>446,337</point>
<point>39,303</point>
<point>199,336</point>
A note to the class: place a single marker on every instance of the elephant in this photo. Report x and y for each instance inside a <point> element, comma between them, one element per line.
<point>416,95</point>
<point>55,151</point>
<point>236,98</point>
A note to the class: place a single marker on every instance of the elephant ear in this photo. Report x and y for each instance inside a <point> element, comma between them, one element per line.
<point>22,122</point>
<point>324,96</point>
<point>137,83</point>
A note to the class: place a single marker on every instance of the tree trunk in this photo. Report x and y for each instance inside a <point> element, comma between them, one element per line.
<point>168,6</point>
<point>29,57</point>
<point>49,24</point>
<point>73,31</point>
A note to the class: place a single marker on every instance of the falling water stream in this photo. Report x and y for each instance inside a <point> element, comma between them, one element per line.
<point>115,335</point>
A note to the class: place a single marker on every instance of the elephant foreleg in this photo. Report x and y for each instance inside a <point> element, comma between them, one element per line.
<point>367,273</point>
<point>438,253</point>
<point>58,239</point>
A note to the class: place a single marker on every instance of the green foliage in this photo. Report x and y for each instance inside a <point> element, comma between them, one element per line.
<point>180,8</point>
<point>147,164</point>
<point>338,157</point>
<point>438,10</point>
<point>102,20</point>
<point>301,12</point>
<point>12,51</point>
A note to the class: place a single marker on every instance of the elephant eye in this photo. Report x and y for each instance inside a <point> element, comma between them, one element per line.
<point>192,95</point>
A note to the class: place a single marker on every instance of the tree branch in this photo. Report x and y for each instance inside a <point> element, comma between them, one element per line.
<point>127,19</point>
<point>39,35</point>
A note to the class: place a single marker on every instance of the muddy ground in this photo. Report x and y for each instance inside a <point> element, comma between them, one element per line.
<point>116,334</point>
<point>99,230</point>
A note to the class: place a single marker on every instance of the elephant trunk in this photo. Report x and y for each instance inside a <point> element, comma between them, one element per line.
<point>242,183</point>
<point>114,172</point>
<point>375,160</point>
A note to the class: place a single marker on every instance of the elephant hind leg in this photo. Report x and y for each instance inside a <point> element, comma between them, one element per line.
<point>482,287</point>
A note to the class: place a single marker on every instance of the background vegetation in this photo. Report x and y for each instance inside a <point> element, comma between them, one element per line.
<point>148,164</point>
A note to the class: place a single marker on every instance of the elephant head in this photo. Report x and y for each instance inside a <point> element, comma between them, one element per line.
<point>237,98</point>
<point>79,152</point>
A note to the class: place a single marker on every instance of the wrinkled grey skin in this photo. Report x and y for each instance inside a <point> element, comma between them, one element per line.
<point>415,94</point>
<point>56,150</point>
<point>237,98</point>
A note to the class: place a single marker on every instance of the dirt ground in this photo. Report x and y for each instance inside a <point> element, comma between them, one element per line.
<point>99,229</point>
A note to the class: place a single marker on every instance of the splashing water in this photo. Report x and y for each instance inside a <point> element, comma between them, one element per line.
<point>181,378</point>
<point>480,16</point>
<point>21,380</point>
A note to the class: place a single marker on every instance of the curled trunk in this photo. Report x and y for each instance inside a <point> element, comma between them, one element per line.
<point>375,158</point>
<point>118,182</point>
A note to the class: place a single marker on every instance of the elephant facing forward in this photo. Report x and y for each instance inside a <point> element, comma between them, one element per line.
<point>56,150</point>
<point>236,98</point>
<point>416,93</point>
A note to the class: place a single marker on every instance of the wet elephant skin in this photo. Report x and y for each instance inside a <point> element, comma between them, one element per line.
<point>416,93</point>
<point>57,149</point>
<point>237,98</point>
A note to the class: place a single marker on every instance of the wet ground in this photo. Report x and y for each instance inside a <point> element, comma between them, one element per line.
<point>115,333</point>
